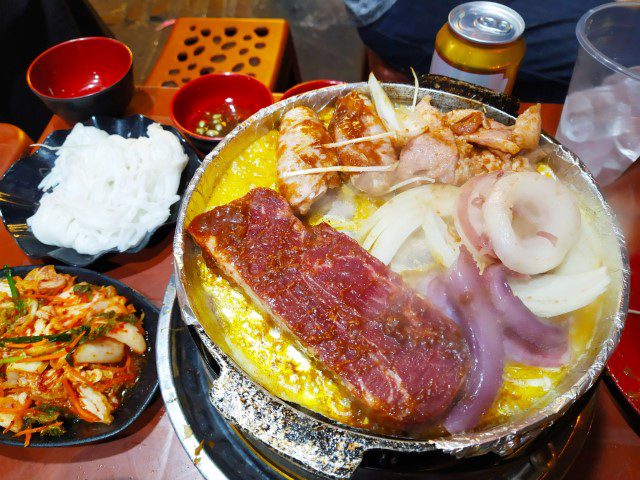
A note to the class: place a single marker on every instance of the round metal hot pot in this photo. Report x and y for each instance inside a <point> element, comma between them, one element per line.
<point>320,447</point>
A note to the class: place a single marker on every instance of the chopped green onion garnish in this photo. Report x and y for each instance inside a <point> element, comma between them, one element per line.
<point>15,295</point>
<point>12,359</point>
<point>81,288</point>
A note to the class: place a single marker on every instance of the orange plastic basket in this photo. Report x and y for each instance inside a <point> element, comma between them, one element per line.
<point>198,46</point>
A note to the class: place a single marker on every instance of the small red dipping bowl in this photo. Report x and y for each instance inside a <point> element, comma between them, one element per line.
<point>308,86</point>
<point>84,77</point>
<point>233,96</point>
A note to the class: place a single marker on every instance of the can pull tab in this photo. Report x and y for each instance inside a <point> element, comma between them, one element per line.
<point>491,25</point>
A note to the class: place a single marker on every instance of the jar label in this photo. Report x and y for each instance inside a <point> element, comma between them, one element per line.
<point>494,81</point>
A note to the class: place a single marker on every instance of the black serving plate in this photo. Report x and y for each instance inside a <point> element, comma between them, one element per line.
<point>135,401</point>
<point>20,196</point>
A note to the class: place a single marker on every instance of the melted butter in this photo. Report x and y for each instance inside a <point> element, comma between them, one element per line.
<point>274,359</point>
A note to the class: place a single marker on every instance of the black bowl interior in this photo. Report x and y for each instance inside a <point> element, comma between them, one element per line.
<point>135,401</point>
<point>20,196</point>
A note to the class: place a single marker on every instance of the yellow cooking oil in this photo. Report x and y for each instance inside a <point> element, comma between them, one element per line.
<point>255,167</point>
<point>274,358</point>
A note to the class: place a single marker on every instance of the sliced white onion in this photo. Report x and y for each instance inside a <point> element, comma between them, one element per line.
<point>586,254</point>
<point>385,231</point>
<point>554,294</point>
<point>389,221</point>
<point>416,87</point>
<point>406,182</point>
<point>391,239</point>
<point>413,257</point>
<point>398,202</point>
<point>384,107</point>
<point>442,246</point>
<point>441,198</point>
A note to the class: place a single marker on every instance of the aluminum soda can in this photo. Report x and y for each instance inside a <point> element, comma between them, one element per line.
<point>482,44</point>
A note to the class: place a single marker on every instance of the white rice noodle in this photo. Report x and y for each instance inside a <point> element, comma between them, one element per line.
<point>111,193</point>
<point>554,294</point>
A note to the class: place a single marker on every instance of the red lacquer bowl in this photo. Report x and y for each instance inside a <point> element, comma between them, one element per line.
<point>309,86</point>
<point>84,77</point>
<point>216,93</point>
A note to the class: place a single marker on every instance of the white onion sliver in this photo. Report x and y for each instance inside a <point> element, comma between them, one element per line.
<point>337,168</point>
<point>384,107</point>
<point>392,238</point>
<point>407,199</point>
<point>586,253</point>
<point>389,221</point>
<point>553,294</point>
<point>442,246</point>
<point>406,182</point>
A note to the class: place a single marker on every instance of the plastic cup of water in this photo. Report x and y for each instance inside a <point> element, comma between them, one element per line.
<point>601,115</point>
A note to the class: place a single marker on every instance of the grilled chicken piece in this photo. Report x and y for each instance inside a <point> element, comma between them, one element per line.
<point>432,155</point>
<point>463,143</point>
<point>464,121</point>
<point>526,131</point>
<point>300,147</point>
<point>525,134</point>
<point>478,161</point>
<point>498,139</point>
<point>423,117</point>
<point>356,117</point>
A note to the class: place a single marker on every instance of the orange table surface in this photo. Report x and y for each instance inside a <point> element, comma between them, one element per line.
<point>153,451</point>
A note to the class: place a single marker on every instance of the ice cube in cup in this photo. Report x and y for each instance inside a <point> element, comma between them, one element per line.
<point>628,143</point>
<point>594,114</point>
<point>599,118</point>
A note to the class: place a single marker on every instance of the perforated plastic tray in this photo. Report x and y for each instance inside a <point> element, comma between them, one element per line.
<point>198,46</point>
